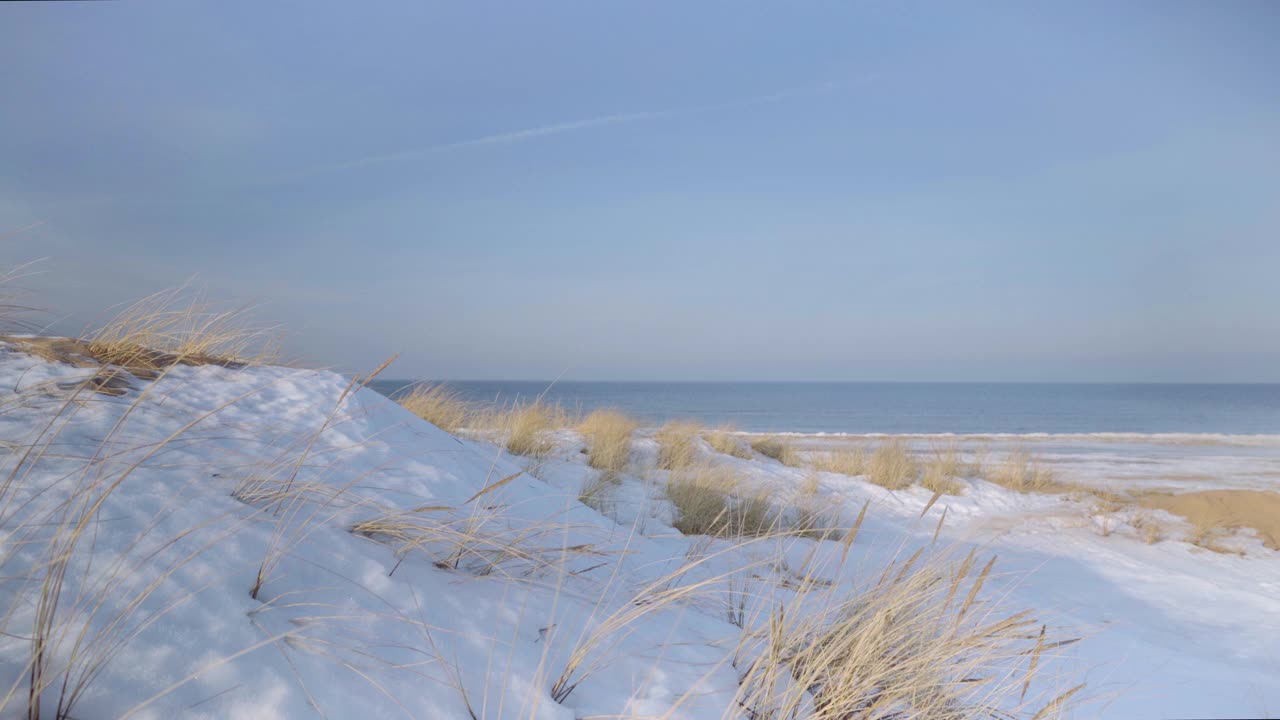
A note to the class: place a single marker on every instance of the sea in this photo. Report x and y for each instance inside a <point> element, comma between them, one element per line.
<point>910,408</point>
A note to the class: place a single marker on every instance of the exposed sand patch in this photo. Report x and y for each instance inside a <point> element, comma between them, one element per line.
<point>1255,509</point>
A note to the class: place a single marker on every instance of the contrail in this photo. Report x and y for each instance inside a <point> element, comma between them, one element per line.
<point>516,136</point>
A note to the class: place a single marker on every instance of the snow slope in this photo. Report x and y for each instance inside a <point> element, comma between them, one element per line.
<point>222,480</point>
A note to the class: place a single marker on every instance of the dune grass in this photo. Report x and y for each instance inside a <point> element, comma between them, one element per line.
<point>892,466</point>
<point>1022,472</point>
<point>1209,534</point>
<point>438,405</point>
<point>844,461</point>
<point>175,327</point>
<point>677,444</point>
<point>780,449</point>
<point>711,500</point>
<point>1148,527</point>
<point>527,427</point>
<point>942,471</point>
<point>912,644</point>
<point>608,435</point>
<point>724,439</point>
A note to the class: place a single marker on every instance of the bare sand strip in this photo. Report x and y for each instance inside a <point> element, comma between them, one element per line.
<point>1255,509</point>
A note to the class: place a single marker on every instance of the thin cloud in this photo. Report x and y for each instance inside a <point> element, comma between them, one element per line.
<point>533,133</point>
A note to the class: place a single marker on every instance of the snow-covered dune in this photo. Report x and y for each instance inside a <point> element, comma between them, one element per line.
<point>276,543</point>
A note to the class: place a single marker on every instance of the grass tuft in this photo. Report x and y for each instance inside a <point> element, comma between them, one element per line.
<point>724,439</point>
<point>1023,473</point>
<point>1207,534</point>
<point>892,466</point>
<point>677,444</point>
<point>608,435</point>
<point>897,648</point>
<point>1149,529</point>
<point>171,328</point>
<point>845,461</point>
<point>528,427</point>
<point>780,449</point>
<point>942,471</point>
<point>438,405</point>
<point>710,500</point>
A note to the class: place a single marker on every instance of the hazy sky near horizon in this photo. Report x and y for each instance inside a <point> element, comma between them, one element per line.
<point>807,191</point>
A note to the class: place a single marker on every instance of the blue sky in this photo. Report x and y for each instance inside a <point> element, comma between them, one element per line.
<point>824,191</point>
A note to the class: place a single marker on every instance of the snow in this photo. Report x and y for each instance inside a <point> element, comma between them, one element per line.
<point>345,626</point>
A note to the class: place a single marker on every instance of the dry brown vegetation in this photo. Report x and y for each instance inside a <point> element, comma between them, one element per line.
<point>942,471</point>
<point>936,480</point>
<point>438,405</point>
<point>724,439</point>
<point>892,465</point>
<point>977,466</point>
<point>527,427</point>
<point>1021,472</point>
<point>1209,535</point>
<point>1149,529</point>
<point>608,435</point>
<point>170,328</point>
<point>154,334</point>
<point>780,449</point>
<point>677,444</point>
<point>711,500</point>
<point>845,461</point>
<point>913,644</point>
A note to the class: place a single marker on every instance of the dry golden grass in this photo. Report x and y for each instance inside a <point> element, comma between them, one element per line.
<point>904,646</point>
<point>481,541</point>
<point>438,405</point>
<point>156,333</point>
<point>921,641</point>
<point>1208,534</point>
<point>780,449</point>
<point>936,480</point>
<point>1022,472</point>
<point>677,444</point>
<point>946,458</point>
<point>892,465</point>
<point>1149,529</point>
<point>724,439</point>
<point>608,435</point>
<point>527,427</point>
<point>711,500</point>
<point>170,328</point>
<point>845,461</point>
<point>770,446</point>
<point>977,466</point>
<point>942,471</point>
